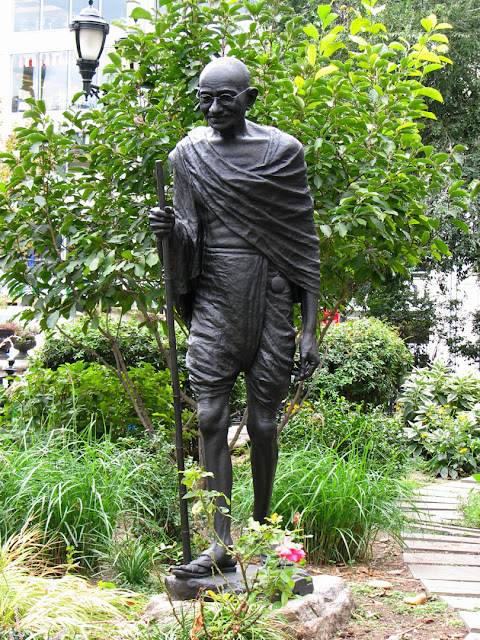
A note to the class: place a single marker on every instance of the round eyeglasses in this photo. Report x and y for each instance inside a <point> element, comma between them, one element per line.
<point>225,99</point>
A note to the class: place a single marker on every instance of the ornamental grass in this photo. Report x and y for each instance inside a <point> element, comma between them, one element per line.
<point>35,602</point>
<point>340,501</point>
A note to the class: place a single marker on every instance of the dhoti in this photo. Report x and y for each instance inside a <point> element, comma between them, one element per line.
<point>242,320</point>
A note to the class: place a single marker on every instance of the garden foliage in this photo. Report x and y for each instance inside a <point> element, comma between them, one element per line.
<point>354,97</point>
<point>442,419</point>
<point>366,362</point>
<point>341,501</point>
<point>77,491</point>
<point>136,344</point>
<point>35,603</point>
<point>341,425</point>
<point>471,507</point>
<point>81,394</point>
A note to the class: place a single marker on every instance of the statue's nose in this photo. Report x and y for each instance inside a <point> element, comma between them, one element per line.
<point>215,107</point>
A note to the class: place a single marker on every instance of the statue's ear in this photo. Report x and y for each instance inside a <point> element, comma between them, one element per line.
<point>251,97</point>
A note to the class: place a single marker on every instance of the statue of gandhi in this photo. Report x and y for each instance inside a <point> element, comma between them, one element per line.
<point>244,250</point>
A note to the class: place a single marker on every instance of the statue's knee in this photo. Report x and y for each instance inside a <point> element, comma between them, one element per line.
<point>263,431</point>
<point>212,415</point>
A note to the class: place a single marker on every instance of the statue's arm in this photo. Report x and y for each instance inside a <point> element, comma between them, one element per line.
<point>174,221</point>
<point>309,356</point>
<point>180,224</point>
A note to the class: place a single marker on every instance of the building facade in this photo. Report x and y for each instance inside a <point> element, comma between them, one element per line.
<point>37,53</point>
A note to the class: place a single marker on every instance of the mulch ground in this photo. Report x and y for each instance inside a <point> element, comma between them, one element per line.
<point>382,613</point>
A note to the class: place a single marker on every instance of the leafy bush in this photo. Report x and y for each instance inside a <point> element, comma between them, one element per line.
<point>341,500</point>
<point>437,386</point>
<point>81,394</point>
<point>441,415</point>
<point>449,443</point>
<point>77,491</point>
<point>366,362</point>
<point>341,425</point>
<point>471,507</point>
<point>136,344</point>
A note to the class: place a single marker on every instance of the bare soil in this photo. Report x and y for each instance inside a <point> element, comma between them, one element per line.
<point>381,613</point>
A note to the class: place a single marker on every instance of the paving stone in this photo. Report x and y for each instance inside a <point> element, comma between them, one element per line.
<point>452,587</point>
<point>463,603</point>
<point>471,620</point>
<point>445,558</point>
<point>445,572</point>
<point>442,543</point>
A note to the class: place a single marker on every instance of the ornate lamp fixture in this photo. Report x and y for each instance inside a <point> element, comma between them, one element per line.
<point>90,33</point>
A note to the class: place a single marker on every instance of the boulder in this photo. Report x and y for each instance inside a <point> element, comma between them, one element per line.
<point>320,615</point>
<point>317,616</point>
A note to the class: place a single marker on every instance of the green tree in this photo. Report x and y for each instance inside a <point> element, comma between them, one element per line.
<point>400,303</point>
<point>458,116</point>
<point>355,98</point>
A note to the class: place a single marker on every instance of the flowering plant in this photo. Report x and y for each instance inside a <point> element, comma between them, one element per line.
<point>447,438</point>
<point>270,586</point>
<point>291,551</point>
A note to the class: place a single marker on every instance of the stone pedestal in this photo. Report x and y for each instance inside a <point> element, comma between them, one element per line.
<point>189,589</point>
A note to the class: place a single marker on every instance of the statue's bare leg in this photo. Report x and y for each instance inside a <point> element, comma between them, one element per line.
<point>262,430</point>
<point>213,421</point>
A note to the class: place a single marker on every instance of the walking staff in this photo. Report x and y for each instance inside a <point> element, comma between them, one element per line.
<point>187,554</point>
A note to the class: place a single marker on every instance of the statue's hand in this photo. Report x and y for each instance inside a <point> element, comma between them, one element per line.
<point>162,221</point>
<point>309,356</point>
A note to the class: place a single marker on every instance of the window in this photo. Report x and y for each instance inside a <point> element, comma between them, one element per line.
<point>26,15</point>
<point>32,15</point>
<point>25,80</point>
<point>52,76</point>
<point>55,14</point>
<point>114,10</point>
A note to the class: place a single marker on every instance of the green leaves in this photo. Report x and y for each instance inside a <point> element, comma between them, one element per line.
<point>139,13</point>
<point>355,99</point>
<point>312,31</point>
<point>430,92</point>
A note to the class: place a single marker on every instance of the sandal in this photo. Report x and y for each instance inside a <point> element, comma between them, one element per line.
<point>203,567</point>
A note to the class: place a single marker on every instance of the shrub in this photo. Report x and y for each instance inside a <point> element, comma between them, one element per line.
<point>437,386</point>
<point>136,344</point>
<point>339,424</point>
<point>440,412</point>
<point>342,500</point>
<point>449,444</point>
<point>471,507</point>
<point>81,394</point>
<point>366,362</point>
<point>77,491</point>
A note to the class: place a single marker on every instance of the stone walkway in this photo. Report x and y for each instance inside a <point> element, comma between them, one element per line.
<point>445,557</point>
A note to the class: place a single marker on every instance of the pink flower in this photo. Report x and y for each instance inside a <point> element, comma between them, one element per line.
<point>292,551</point>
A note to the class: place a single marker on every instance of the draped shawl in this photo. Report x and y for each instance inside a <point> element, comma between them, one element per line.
<point>269,205</point>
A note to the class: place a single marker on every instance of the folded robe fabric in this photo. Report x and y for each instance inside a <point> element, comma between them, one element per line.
<point>268,204</point>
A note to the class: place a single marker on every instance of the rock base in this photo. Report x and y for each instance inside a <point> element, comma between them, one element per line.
<point>320,615</point>
<point>179,589</point>
<point>316,616</point>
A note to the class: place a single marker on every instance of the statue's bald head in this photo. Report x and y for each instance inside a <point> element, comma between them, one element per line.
<point>229,68</point>
<point>225,95</point>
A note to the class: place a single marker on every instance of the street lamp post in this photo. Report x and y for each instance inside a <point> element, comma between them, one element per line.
<point>90,33</point>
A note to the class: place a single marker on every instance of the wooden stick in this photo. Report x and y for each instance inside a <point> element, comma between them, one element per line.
<point>167,276</point>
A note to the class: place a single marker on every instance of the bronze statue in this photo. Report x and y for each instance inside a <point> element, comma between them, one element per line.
<point>244,249</point>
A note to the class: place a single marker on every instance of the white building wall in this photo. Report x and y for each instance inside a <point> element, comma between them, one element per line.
<point>35,42</point>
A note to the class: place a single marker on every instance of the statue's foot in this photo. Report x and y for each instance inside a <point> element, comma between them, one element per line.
<point>205,565</point>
